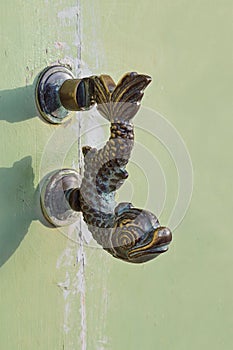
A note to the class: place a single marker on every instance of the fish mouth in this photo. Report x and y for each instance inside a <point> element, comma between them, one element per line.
<point>162,240</point>
<point>159,249</point>
<point>147,254</point>
<point>152,251</point>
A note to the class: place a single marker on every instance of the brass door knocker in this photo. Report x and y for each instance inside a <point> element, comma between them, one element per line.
<point>128,233</point>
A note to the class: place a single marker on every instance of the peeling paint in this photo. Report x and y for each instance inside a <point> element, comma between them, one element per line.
<point>69,12</point>
<point>61,45</point>
<point>73,259</point>
<point>81,287</point>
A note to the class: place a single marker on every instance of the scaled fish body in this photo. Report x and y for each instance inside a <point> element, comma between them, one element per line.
<point>128,233</point>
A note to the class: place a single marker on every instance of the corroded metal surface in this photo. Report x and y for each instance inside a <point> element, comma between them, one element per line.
<point>54,204</point>
<point>47,98</point>
<point>128,233</point>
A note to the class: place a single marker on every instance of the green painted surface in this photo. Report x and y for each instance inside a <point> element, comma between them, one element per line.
<point>48,300</point>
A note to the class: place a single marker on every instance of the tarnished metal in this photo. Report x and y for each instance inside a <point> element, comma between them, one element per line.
<point>128,233</point>
<point>47,94</point>
<point>54,204</point>
<point>58,93</point>
<point>77,94</point>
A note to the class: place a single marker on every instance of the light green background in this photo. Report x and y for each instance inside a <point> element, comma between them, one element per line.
<point>184,300</point>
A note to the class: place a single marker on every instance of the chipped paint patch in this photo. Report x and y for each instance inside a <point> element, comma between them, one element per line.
<point>73,259</point>
<point>68,12</point>
<point>61,45</point>
<point>81,287</point>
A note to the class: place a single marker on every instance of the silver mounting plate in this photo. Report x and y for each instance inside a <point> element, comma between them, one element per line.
<point>47,94</point>
<point>54,204</point>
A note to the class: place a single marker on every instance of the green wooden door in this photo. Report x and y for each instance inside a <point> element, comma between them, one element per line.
<point>59,290</point>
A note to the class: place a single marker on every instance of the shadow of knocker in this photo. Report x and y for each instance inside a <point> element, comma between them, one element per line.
<point>17,205</point>
<point>17,104</point>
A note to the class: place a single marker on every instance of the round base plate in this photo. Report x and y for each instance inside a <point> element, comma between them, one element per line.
<point>55,206</point>
<point>47,94</point>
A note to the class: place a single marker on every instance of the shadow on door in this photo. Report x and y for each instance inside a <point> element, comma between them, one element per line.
<point>16,203</point>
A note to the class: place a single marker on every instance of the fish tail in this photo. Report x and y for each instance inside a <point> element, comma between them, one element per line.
<point>120,103</point>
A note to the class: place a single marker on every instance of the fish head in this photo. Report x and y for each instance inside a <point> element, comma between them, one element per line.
<point>137,236</point>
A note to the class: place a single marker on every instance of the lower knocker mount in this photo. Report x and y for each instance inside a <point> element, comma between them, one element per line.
<point>54,203</point>
<point>127,233</point>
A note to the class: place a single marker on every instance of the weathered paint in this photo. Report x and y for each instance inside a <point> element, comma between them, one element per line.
<point>48,298</point>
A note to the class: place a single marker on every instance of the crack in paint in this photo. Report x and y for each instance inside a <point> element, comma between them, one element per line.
<point>74,285</point>
<point>73,260</point>
<point>74,255</point>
